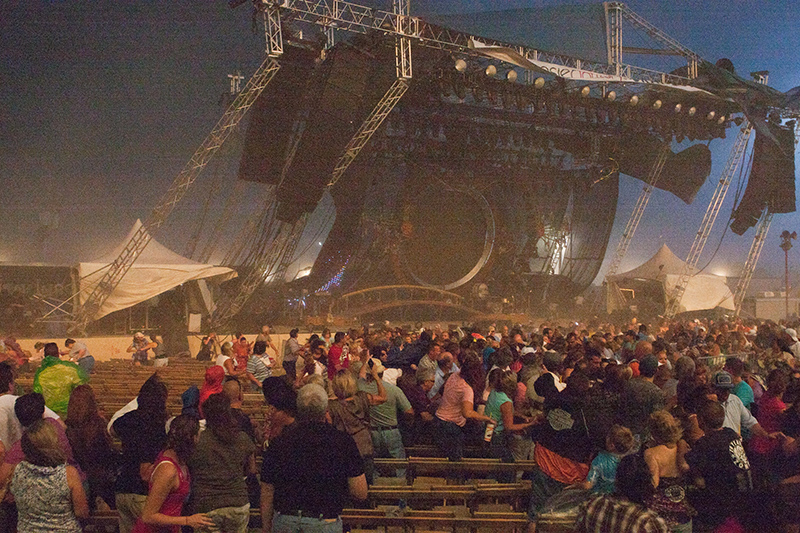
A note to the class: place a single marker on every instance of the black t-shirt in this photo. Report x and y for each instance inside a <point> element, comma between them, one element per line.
<point>309,465</point>
<point>143,437</point>
<point>719,458</point>
<point>244,423</point>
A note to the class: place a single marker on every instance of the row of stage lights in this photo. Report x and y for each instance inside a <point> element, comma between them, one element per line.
<point>611,96</point>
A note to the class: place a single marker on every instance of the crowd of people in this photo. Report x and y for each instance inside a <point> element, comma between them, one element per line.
<point>678,427</point>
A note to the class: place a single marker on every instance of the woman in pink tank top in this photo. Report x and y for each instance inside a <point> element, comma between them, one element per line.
<point>169,483</point>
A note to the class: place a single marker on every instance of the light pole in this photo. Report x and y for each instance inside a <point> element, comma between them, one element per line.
<point>786,245</point>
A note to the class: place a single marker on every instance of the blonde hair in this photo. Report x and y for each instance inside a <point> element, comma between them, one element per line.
<point>40,445</point>
<point>344,384</point>
<point>620,438</point>
<point>664,428</point>
<point>227,349</point>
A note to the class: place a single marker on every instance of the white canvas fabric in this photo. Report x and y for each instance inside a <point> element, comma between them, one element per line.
<point>704,291</point>
<point>157,270</point>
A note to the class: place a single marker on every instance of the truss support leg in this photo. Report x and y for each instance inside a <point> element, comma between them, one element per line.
<point>752,259</point>
<point>714,206</point>
<point>638,210</point>
<point>117,270</point>
<point>636,215</point>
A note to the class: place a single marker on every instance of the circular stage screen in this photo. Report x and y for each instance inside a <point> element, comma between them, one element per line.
<point>448,236</point>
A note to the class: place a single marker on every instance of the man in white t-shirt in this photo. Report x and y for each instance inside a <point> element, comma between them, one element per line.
<point>10,428</point>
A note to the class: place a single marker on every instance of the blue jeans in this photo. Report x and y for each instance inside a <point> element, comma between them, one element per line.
<point>287,523</point>
<point>86,363</point>
<point>450,438</point>
<point>389,443</point>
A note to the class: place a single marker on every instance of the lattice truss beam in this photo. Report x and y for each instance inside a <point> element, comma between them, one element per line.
<point>701,237</point>
<point>762,229</point>
<point>352,17</point>
<point>212,143</point>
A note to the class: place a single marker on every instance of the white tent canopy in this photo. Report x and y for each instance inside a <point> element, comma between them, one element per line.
<point>157,270</point>
<point>704,291</point>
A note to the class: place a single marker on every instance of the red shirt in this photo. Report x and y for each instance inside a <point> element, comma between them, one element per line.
<point>335,360</point>
<point>770,409</point>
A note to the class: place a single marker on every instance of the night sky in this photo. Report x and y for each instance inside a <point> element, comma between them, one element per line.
<point>103,102</point>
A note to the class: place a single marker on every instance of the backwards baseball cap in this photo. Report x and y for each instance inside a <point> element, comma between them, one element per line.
<point>648,366</point>
<point>722,380</point>
<point>551,360</point>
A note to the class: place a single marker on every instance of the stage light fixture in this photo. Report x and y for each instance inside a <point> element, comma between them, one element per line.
<point>678,108</point>
<point>511,76</point>
<point>657,104</point>
<point>491,70</point>
<point>721,120</point>
<point>585,91</point>
<point>634,100</point>
<point>692,111</point>
<point>538,83</point>
<point>461,65</point>
<point>711,115</point>
<point>611,96</point>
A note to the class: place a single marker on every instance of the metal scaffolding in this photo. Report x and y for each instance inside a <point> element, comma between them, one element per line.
<point>701,237</point>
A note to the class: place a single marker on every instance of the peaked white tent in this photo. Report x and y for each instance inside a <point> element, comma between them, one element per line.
<point>704,291</point>
<point>157,270</point>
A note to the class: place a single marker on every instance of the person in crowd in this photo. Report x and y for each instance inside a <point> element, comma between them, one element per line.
<point>416,389</point>
<point>77,352</point>
<point>91,445</point>
<point>720,469</point>
<point>737,417</point>
<point>736,368</point>
<point>500,407</point>
<point>219,466</point>
<point>291,352</point>
<point>563,445</point>
<point>445,366</point>
<point>603,470</point>
<point>458,406</point>
<point>139,347</point>
<point>48,492</point>
<point>232,389</point>
<point>160,357</point>
<point>55,379</point>
<point>169,483</point>
<point>765,452</point>
<point>209,348</point>
<point>228,363</point>
<point>431,357</point>
<point>549,382</point>
<point>143,436</point>
<point>212,384</point>
<point>336,359</point>
<point>311,363</point>
<point>309,474</point>
<point>266,338</point>
<point>641,398</point>
<point>10,426</point>
<point>259,365</point>
<point>281,403</point>
<point>624,511</point>
<point>667,464</point>
<point>241,350</point>
<point>383,416</point>
<point>349,411</point>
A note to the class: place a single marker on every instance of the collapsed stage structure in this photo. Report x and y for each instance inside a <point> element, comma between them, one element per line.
<point>486,170</point>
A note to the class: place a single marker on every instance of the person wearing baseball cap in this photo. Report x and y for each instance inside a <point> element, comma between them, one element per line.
<point>736,414</point>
